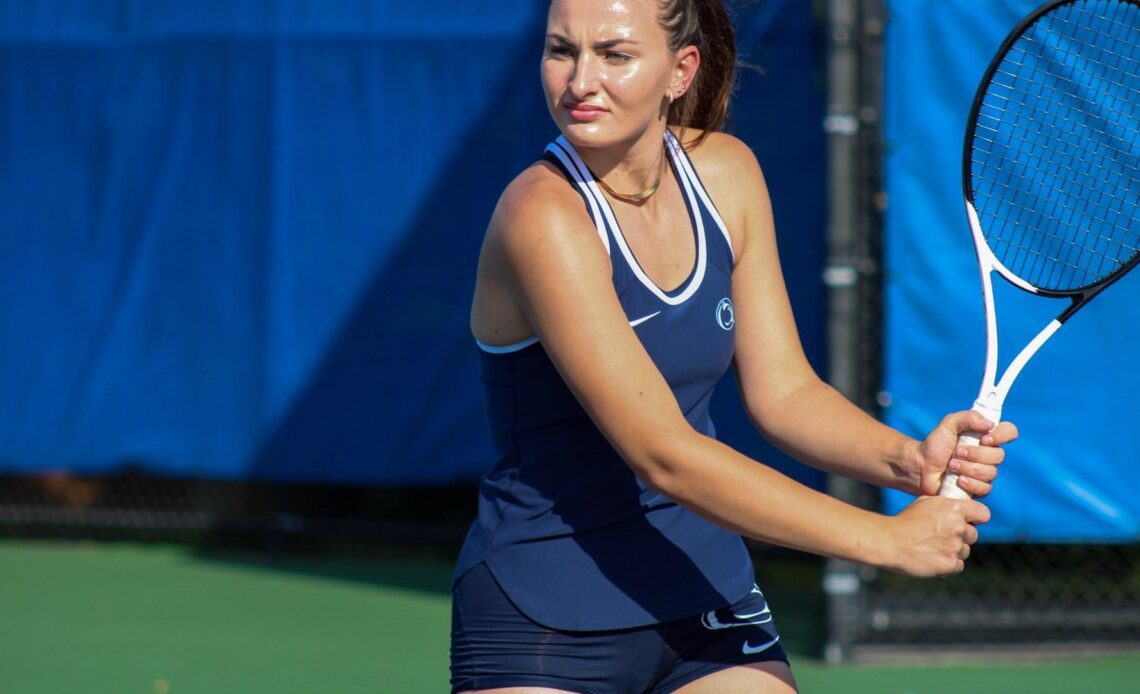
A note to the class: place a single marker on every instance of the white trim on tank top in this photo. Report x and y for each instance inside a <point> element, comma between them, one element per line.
<point>687,164</point>
<point>573,163</point>
<point>580,172</point>
<point>698,273</point>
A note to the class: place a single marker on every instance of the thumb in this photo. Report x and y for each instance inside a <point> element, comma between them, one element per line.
<point>972,421</point>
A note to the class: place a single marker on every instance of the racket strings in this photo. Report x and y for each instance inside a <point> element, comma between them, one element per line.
<point>1055,161</point>
<point>1108,214</point>
<point>1066,85</point>
<point>1067,123</point>
<point>1058,46</point>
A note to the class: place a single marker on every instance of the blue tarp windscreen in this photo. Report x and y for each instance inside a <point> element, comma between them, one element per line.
<point>238,239</point>
<point>1068,477</point>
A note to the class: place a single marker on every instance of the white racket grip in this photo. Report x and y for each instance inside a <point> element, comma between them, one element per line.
<point>950,486</point>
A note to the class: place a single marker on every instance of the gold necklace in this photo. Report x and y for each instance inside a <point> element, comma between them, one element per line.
<point>635,198</point>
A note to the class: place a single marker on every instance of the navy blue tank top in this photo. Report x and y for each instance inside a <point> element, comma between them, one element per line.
<point>573,536</point>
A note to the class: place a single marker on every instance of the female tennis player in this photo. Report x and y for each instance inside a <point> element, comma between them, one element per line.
<point>620,277</point>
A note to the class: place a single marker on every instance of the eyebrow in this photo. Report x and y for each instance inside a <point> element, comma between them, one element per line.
<point>597,45</point>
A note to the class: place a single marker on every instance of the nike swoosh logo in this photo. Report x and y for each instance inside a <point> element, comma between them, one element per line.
<point>752,614</point>
<point>711,622</point>
<point>749,649</point>
<point>639,321</point>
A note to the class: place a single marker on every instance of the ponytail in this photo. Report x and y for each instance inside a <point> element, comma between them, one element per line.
<point>706,25</point>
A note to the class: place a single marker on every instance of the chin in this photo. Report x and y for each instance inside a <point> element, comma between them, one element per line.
<point>590,135</point>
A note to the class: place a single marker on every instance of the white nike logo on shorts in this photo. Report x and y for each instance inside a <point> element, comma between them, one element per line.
<point>764,616</point>
<point>753,650</point>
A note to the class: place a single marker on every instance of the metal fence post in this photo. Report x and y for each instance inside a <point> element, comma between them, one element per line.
<point>854,30</point>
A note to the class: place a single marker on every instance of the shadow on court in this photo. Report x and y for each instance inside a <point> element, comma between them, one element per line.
<point>426,570</point>
<point>791,582</point>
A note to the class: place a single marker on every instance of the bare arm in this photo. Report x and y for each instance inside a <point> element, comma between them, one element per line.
<point>543,253</point>
<point>785,398</point>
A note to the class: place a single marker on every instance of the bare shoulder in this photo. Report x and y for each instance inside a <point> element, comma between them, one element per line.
<point>725,161</point>
<point>732,176</point>
<point>538,202</point>
<point>538,237</point>
<point>541,225</point>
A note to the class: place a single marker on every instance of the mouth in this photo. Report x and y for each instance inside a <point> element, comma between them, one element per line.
<point>584,112</point>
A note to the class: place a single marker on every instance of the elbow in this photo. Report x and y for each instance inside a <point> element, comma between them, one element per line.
<point>663,461</point>
<point>758,416</point>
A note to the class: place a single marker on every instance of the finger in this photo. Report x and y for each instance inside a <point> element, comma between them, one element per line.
<point>975,488</point>
<point>1001,434</point>
<point>970,535</point>
<point>981,471</point>
<point>964,553</point>
<point>976,513</point>
<point>986,455</point>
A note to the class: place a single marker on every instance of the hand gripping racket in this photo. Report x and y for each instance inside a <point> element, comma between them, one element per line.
<point>1051,169</point>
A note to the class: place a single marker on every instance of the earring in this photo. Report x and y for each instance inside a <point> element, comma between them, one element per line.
<point>670,95</point>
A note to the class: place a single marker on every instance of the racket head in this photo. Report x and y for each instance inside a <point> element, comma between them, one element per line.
<point>1051,163</point>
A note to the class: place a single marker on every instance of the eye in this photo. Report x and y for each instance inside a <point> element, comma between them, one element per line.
<point>559,50</point>
<point>618,58</point>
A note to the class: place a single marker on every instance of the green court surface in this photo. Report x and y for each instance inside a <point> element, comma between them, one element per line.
<point>149,619</point>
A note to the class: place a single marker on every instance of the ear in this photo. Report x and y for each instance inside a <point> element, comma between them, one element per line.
<point>687,60</point>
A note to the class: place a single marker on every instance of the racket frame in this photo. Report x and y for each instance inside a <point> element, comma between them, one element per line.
<point>991,395</point>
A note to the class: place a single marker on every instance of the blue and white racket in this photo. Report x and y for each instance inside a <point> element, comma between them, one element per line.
<point>1051,169</point>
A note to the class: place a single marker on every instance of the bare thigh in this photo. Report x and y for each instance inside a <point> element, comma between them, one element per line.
<point>756,678</point>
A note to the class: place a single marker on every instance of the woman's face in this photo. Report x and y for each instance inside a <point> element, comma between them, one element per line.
<point>606,69</point>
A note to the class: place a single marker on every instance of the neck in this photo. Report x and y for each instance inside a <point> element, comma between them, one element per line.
<point>633,175</point>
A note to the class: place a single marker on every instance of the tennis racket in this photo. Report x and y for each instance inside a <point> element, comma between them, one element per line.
<point>1051,169</point>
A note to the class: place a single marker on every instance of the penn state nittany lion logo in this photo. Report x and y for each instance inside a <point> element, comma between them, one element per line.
<point>724,315</point>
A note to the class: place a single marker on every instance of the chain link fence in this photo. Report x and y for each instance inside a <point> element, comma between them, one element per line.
<point>1014,600</point>
<point>140,507</point>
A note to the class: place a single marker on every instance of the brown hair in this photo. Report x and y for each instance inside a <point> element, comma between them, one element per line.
<point>706,25</point>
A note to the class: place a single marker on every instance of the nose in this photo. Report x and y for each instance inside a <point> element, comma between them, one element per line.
<point>584,80</point>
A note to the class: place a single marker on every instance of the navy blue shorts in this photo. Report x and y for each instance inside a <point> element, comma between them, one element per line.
<point>495,645</point>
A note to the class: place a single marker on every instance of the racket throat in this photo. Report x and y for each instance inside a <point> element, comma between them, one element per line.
<point>989,405</point>
<point>991,398</point>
